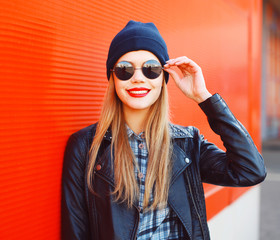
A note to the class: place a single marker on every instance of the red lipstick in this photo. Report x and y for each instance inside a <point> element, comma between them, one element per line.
<point>138,92</point>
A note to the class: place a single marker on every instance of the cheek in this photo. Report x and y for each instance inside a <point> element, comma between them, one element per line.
<point>158,86</point>
<point>158,92</point>
<point>119,88</point>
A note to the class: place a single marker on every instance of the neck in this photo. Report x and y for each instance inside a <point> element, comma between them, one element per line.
<point>135,119</point>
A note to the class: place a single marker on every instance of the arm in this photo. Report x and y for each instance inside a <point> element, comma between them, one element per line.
<point>74,215</point>
<point>241,165</point>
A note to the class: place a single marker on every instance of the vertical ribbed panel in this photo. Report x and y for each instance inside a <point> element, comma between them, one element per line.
<point>53,79</point>
<point>53,56</point>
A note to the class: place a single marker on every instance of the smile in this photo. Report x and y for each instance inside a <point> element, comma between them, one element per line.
<point>138,92</point>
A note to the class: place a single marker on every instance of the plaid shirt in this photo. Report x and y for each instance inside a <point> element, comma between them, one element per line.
<point>160,223</point>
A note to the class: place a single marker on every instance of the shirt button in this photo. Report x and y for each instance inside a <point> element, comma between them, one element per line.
<point>143,135</point>
<point>139,209</point>
<point>98,167</point>
<point>187,160</point>
<point>140,175</point>
<point>141,145</point>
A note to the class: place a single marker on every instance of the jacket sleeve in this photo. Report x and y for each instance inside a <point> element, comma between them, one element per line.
<point>241,164</point>
<point>74,214</point>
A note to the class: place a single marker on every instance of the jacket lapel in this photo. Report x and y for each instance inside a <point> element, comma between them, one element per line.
<point>178,194</point>
<point>180,159</point>
<point>105,165</point>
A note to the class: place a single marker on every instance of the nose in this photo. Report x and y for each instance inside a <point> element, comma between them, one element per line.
<point>138,76</point>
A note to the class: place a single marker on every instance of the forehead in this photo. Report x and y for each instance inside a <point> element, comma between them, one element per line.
<point>139,56</point>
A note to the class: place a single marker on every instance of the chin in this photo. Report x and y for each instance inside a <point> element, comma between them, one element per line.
<point>135,108</point>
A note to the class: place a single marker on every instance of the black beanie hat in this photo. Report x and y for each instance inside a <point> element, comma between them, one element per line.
<point>137,36</point>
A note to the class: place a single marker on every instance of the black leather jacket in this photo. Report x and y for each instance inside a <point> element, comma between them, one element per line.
<point>87,216</point>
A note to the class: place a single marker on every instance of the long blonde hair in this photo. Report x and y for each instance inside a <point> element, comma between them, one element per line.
<point>158,143</point>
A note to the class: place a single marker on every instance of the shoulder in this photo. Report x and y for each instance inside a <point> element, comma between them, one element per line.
<point>178,131</point>
<point>82,139</point>
<point>85,135</point>
<point>86,131</point>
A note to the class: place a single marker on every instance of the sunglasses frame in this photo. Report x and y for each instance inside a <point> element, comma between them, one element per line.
<point>135,68</point>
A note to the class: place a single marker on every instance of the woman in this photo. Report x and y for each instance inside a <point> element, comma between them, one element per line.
<point>134,175</point>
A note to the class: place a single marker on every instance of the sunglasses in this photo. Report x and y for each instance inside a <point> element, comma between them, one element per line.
<point>124,70</point>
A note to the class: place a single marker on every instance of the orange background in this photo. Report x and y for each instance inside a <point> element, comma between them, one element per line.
<point>53,79</point>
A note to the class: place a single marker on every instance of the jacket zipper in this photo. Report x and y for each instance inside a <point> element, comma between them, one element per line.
<point>195,207</point>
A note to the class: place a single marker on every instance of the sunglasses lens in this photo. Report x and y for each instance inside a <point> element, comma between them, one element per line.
<point>152,69</point>
<point>124,70</point>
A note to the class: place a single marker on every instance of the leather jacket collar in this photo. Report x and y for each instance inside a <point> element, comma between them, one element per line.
<point>175,132</point>
<point>180,158</point>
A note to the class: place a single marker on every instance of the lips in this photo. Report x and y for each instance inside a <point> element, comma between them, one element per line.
<point>138,92</point>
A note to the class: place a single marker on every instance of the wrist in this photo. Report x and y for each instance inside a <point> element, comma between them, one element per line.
<point>202,97</point>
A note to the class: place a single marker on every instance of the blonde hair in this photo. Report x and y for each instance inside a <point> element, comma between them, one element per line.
<point>158,143</point>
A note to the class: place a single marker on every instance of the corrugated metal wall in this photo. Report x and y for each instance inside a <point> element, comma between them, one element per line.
<point>52,69</point>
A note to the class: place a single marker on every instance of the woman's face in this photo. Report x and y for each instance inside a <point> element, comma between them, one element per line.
<point>138,92</point>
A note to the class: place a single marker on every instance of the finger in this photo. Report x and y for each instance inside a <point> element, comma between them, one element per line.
<point>182,60</point>
<point>173,74</point>
<point>192,64</point>
<point>190,67</point>
<point>169,60</point>
<point>183,65</point>
<point>173,61</point>
<point>185,69</point>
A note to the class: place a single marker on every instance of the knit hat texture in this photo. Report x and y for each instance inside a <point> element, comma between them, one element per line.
<point>137,36</point>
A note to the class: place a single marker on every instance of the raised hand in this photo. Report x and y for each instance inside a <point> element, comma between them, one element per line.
<point>192,83</point>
